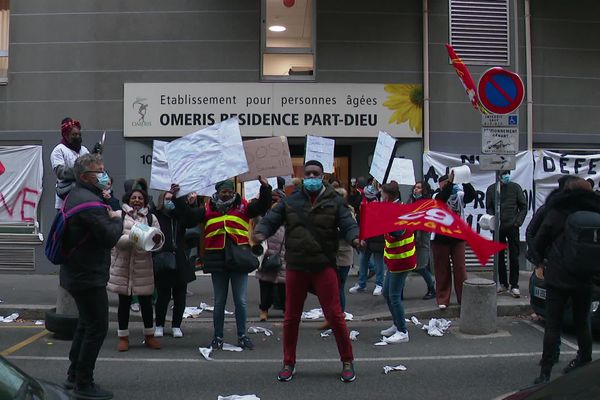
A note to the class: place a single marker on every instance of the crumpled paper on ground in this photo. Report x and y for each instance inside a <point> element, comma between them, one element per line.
<point>353,334</point>
<point>239,397</point>
<point>382,343</point>
<point>317,313</point>
<point>11,318</point>
<point>207,307</point>
<point>206,351</point>
<point>230,347</point>
<point>437,327</point>
<point>192,312</point>
<point>260,329</point>
<point>327,333</point>
<point>388,368</point>
<point>415,320</point>
<point>39,322</point>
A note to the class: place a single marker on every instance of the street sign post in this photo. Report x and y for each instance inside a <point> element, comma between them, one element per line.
<point>500,91</point>
<point>499,140</point>
<point>497,162</point>
<point>499,120</point>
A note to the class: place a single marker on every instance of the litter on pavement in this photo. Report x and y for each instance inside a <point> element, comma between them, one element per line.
<point>388,368</point>
<point>192,312</point>
<point>239,397</point>
<point>354,335</point>
<point>317,313</point>
<point>11,318</point>
<point>382,343</point>
<point>327,333</point>
<point>437,327</point>
<point>206,351</point>
<point>415,320</point>
<point>206,307</point>
<point>230,347</point>
<point>39,322</point>
<point>260,329</point>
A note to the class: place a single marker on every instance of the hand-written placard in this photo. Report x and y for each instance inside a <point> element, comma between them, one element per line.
<point>384,150</point>
<point>252,188</point>
<point>267,158</point>
<point>402,171</point>
<point>160,177</point>
<point>320,149</point>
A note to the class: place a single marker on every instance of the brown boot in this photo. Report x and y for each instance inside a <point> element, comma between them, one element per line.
<point>123,344</point>
<point>151,342</point>
<point>263,316</point>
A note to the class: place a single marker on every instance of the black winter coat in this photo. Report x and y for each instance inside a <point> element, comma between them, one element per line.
<point>303,251</point>
<point>513,206</point>
<point>548,241</point>
<point>94,234</point>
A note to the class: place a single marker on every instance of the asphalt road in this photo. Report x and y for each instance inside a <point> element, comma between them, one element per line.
<point>451,367</point>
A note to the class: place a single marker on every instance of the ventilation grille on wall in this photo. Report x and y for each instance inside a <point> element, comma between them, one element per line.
<point>479,31</point>
<point>17,258</point>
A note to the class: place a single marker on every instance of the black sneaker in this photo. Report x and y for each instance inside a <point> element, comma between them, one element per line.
<point>574,364</point>
<point>217,343</point>
<point>347,374</point>
<point>287,373</point>
<point>429,295</point>
<point>543,378</point>
<point>245,343</point>
<point>69,383</point>
<point>91,392</point>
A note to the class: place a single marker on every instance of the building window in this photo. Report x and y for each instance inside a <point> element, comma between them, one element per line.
<point>4,17</point>
<point>288,40</point>
<point>479,31</point>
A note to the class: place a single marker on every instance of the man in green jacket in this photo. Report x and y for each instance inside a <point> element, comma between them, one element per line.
<point>513,209</point>
<point>312,216</point>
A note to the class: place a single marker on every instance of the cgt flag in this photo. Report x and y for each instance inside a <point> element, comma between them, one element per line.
<point>424,215</point>
<point>465,78</point>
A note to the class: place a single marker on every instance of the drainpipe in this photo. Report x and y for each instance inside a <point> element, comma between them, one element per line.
<point>425,76</point>
<point>529,82</point>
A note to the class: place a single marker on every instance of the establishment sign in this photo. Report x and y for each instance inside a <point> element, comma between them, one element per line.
<point>274,109</point>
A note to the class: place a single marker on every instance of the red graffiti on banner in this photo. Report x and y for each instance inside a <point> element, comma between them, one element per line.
<point>25,202</point>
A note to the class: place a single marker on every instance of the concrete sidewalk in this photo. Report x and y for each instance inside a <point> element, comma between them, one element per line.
<point>32,295</point>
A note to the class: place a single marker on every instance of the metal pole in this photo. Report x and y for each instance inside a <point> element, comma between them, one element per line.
<point>497,225</point>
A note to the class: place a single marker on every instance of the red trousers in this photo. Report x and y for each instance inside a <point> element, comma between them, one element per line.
<point>325,285</point>
<point>442,253</point>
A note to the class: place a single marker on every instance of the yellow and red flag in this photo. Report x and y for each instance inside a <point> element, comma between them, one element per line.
<point>425,215</point>
<point>465,78</point>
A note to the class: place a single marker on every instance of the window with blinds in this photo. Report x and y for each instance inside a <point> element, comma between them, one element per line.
<point>479,31</point>
<point>4,18</point>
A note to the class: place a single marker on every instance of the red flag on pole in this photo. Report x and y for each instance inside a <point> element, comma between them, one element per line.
<point>424,215</point>
<point>465,78</point>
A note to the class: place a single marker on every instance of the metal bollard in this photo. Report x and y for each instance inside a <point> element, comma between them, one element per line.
<point>478,311</point>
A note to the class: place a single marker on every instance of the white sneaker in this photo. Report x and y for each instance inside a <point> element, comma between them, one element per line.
<point>501,289</point>
<point>135,307</point>
<point>389,331</point>
<point>515,292</point>
<point>159,331</point>
<point>378,290</point>
<point>398,337</point>
<point>442,306</point>
<point>177,333</point>
<point>356,289</point>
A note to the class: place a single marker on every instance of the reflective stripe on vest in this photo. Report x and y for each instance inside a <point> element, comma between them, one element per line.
<point>391,245</point>
<point>400,252</point>
<point>399,256</point>
<point>216,229</point>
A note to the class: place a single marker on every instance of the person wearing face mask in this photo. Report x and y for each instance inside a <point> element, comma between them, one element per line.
<point>421,191</point>
<point>172,270</point>
<point>109,197</point>
<point>63,158</point>
<point>131,269</point>
<point>513,210</point>
<point>85,273</point>
<point>314,218</point>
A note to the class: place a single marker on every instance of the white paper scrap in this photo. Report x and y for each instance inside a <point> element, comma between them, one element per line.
<point>260,329</point>
<point>192,312</point>
<point>315,313</point>
<point>387,369</point>
<point>381,343</point>
<point>239,397</point>
<point>327,333</point>
<point>437,327</point>
<point>39,322</point>
<point>348,316</point>
<point>206,351</point>
<point>354,335</point>
<point>415,320</point>
<point>11,318</point>
<point>230,347</point>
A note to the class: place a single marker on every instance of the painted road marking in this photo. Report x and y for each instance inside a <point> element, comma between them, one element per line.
<point>24,343</point>
<point>563,341</point>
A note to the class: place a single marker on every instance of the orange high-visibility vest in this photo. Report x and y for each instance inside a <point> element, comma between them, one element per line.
<point>235,225</point>
<point>400,253</point>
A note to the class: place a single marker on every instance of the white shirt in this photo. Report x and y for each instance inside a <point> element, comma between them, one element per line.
<point>62,155</point>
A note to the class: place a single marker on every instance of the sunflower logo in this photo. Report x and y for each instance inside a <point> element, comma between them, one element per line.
<point>406,100</point>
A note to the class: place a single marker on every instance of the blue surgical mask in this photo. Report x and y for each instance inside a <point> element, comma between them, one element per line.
<point>169,205</point>
<point>505,178</point>
<point>313,184</point>
<point>455,189</point>
<point>103,180</point>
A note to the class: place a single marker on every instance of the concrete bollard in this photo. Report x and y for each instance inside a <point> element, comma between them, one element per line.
<point>478,311</point>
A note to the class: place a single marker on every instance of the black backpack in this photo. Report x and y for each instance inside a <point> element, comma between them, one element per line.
<point>581,243</point>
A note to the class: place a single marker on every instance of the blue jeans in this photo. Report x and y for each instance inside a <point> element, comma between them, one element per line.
<point>363,269</point>
<point>239,286</point>
<point>392,291</point>
<point>342,273</point>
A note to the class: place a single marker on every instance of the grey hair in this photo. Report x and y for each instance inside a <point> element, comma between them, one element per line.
<point>84,163</point>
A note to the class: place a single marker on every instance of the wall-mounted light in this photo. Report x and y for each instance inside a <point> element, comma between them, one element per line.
<point>277,28</point>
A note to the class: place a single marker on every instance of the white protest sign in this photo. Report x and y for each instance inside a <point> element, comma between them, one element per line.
<point>436,164</point>
<point>201,159</point>
<point>550,166</point>
<point>402,171</point>
<point>160,177</point>
<point>267,158</point>
<point>252,188</point>
<point>384,150</point>
<point>320,149</point>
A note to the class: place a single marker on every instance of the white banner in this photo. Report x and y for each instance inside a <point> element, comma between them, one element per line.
<point>550,166</point>
<point>402,171</point>
<point>382,156</point>
<point>201,159</point>
<point>160,177</point>
<point>274,109</point>
<point>21,173</point>
<point>436,164</point>
<point>320,149</point>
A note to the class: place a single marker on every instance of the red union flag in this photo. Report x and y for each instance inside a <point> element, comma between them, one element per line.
<point>465,78</point>
<point>424,215</point>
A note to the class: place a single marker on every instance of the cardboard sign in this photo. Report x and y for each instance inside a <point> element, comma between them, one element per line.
<point>267,158</point>
<point>160,177</point>
<point>402,171</point>
<point>320,149</point>
<point>384,150</point>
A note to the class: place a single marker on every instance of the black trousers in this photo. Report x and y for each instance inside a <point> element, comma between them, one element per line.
<point>162,304</point>
<point>268,293</point>
<point>556,299</point>
<point>92,327</point>
<point>145,308</point>
<point>510,235</point>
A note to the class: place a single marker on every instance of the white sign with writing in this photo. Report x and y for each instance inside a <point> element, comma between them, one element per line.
<point>160,177</point>
<point>384,149</point>
<point>499,140</point>
<point>201,159</point>
<point>252,188</point>
<point>499,120</point>
<point>402,171</point>
<point>274,109</point>
<point>320,149</point>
